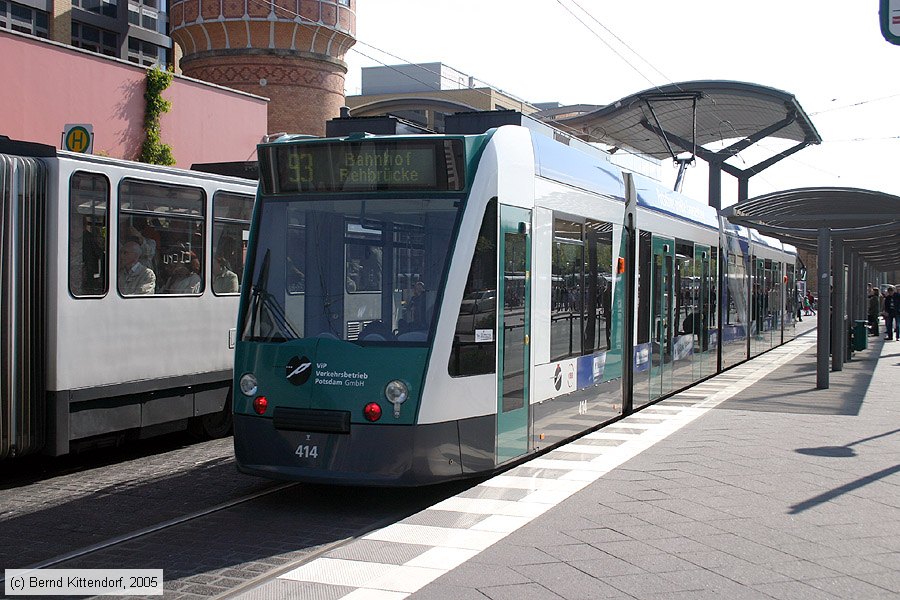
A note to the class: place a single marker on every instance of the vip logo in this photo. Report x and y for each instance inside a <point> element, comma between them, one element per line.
<point>298,370</point>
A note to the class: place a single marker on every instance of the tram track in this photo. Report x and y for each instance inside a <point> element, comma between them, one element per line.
<point>214,532</point>
<point>68,556</point>
<point>226,550</point>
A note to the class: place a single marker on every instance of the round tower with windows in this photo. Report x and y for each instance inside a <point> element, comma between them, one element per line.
<point>290,51</point>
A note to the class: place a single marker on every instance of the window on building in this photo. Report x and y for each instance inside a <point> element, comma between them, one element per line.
<point>145,53</point>
<point>108,8</point>
<point>161,239</point>
<point>24,19</point>
<point>88,240</point>
<point>95,39</point>
<point>148,14</point>
<point>231,228</point>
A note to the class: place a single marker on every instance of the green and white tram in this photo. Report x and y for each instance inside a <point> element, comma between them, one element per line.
<point>430,307</point>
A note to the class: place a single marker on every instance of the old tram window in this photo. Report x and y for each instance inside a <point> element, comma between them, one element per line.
<point>88,234</point>
<point>231,230</point>
<point>161,239</point>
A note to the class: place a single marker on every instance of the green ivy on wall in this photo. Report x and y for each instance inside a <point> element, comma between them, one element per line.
<point>153,151</point>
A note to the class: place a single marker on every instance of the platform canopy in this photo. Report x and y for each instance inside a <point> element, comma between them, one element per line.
<point>679,120</point>
<point>867,222</point>
<point>833,221</point>
<point>679,116</point>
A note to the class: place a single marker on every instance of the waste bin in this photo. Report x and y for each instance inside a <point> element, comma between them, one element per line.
<point>860,335</point>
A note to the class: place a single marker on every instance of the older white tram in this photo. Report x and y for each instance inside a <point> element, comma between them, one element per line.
<point>119,285</point>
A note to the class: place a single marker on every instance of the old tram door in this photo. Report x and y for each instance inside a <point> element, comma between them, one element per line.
<point>514,318</point>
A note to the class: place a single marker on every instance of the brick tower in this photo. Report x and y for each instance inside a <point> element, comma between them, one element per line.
<point>290,51</point>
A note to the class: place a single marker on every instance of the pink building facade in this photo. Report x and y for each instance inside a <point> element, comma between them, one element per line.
<point>47,85</point>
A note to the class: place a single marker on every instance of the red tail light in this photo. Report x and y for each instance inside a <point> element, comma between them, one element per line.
<point>372,411</point>
<point>260,404</point>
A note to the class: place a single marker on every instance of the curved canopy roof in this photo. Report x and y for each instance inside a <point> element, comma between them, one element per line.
<point>868,222</point>
<point>660,120</point>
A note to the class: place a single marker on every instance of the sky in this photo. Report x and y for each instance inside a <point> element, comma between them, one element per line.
<point>829,54</point>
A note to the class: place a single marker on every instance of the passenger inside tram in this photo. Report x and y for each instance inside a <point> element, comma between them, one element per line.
<point>134,277</point>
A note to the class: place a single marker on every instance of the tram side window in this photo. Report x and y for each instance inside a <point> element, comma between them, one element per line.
<point>88,229</point>
<point>598,288</point>
<point>474,343</point>
<point>687,288</point>
<point>161,239</point>
<point>231,229</point>
<point>567,291</point>
<point>581,288</point>
<point>645,252</point>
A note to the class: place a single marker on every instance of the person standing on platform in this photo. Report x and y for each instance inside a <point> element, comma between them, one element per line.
<point>891,323</point>
<point>874,308</point>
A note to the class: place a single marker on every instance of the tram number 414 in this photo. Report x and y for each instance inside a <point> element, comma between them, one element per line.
<point>307,451</point>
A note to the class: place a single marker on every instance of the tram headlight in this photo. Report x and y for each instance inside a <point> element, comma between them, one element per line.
<point>248,383</point>
<point>396,393</point>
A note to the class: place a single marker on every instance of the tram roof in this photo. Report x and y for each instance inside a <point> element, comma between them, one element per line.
<point>658,120</point>
<point>867,221</point>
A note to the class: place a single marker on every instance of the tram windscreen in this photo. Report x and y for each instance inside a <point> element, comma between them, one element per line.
<point>365,165</point>
<point>366,271</point>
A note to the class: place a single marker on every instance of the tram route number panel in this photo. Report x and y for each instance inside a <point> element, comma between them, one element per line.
<point>412,165</point>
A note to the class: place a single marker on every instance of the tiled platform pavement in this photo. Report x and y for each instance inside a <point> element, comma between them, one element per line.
<point>750,485</point>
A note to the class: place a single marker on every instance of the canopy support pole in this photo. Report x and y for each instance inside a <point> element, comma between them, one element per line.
<point>823,273</point>
<point>838,328</point>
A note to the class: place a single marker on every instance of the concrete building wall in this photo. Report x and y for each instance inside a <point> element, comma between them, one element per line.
<point>46,85</point>
<point>401,79</point>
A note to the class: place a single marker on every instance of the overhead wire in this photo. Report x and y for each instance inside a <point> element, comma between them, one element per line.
<point>626,61</point>
<point>854,105</point>
<point>307,22</point>
<point>605,43</point>
<point>864,139</point>
<point>721,120</point>
<point>623,42</point>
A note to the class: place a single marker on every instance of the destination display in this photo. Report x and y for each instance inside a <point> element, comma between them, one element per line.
<point>377,165</point>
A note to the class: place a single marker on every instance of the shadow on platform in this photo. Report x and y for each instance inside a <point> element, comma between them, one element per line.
<point>792,388</point>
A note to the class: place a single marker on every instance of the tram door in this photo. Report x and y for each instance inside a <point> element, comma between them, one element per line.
<point>662,302</point>
<point>514,348</point>
<point>704,359</point>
